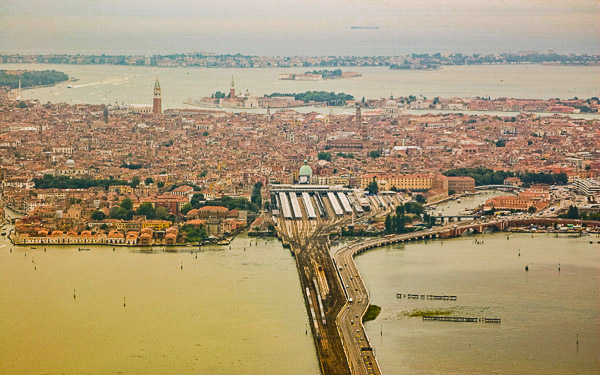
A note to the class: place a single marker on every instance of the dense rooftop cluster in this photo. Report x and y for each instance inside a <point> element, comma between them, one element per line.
<point>145,157</point>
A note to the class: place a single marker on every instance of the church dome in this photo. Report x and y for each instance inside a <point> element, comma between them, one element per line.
<point>391,103</point>
<point>305,170</point>
<point>70,163</point>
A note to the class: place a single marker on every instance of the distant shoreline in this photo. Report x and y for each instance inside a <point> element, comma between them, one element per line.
<point>212,60</point>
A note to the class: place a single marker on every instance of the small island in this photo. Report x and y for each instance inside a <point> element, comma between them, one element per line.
<point>275,100</point>
<point>318,75</point>
<point>31,78</point>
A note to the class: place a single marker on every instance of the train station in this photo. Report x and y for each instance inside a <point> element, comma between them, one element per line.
<point>324,200</point>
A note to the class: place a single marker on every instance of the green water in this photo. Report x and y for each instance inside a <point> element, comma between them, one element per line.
<point>544,311</point>
<point>229,311</point>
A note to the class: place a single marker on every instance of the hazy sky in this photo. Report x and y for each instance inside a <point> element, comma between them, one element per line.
<point>298,27</point>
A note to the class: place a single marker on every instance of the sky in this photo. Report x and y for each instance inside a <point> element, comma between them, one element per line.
<point>298,27</point>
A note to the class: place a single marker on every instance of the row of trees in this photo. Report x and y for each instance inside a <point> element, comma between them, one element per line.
<point>65,182</point>
<point>194,233</point>
<point>256,197</point>
<point>485,176</point>
<point>238,203</point>
<point>327,73</point>
<point>50,181</point>
<point>404,215</point>
<point>125,211</point>
<point>573,213</point>
<point>331,98</point>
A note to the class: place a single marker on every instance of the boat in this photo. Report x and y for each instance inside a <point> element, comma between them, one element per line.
<point>364,27</point>
<point>224,241</point>
<point>69,86</point>
<point>82,249</point>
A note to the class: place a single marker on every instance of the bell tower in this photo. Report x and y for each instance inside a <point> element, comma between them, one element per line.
<point>232,89</point>
<point>156,101</point>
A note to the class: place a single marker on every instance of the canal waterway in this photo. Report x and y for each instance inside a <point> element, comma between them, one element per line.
<point>550,317</point>
<point>468,202</point>
<point>228,311</point>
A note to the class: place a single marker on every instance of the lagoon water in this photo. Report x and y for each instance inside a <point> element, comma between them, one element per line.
<point>105,84</point>
<point>542,310</point>
<point>229,311</point>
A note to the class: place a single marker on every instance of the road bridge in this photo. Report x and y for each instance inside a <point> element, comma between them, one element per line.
<point>500,187</point>
<point>350,317</point>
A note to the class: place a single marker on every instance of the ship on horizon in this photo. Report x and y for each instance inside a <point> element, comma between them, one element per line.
<point>364,27</point>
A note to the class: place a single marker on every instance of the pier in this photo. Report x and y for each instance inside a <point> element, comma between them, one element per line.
<point>426,296</point>
<point>461,319</point>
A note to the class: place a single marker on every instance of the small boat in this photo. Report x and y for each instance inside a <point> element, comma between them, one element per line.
<point>225,241</point>
<point>69,86</point>
<point>82,249</point>
<point>32,247</point>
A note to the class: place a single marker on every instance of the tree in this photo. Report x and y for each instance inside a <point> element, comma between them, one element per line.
<point>375,154</point>
<point>22,104</point>
<point>146,209</point>
<point>256,197</point>
<point>127,204</point>
<point>196,198</point>
<point>148,180</point>
<point>531,209</point>
<point>373,187</point>
<point>420,198</point>
<point>120,213</point>
<point>186,208</point>
<point>413,208</point>
<point>161,213</point>
<point>135,181</point>
<point>388,224</point>
<point>324,155</point>
<point>203,233</point>
<point>98,215</point>
<point>573,212</point>
<point>160,184</point>
<point>500,143</point>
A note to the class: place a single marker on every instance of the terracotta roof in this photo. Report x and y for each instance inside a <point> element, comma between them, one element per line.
<point>213,208</point>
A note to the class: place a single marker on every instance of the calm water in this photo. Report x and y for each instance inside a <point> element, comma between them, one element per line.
<point>470,202</point>
<point>127,84</point>
<point>227,312</point>
<point>542,310</point>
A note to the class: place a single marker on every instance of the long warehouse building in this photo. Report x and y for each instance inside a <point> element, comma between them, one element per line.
<point>285,205</point>
<point>345,202</point>
<point>295,205</point>
<point>335,204</point>
<point>309,207</point>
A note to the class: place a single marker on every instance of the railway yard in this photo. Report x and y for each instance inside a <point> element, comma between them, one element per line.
<point>305,216</point>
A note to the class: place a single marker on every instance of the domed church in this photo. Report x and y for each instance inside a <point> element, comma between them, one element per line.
<point>305,173</point>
